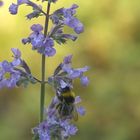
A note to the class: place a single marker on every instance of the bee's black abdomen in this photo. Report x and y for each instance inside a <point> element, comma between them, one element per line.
<point>69,99</point>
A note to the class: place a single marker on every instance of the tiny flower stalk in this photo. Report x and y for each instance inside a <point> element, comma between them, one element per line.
<point>56,121</point>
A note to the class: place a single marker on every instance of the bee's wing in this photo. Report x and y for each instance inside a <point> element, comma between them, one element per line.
<point>75,114</point>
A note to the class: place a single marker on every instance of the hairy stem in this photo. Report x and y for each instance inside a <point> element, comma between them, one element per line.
<point>42,96</point>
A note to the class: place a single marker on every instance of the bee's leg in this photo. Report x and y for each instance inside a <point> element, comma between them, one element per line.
<point>57,106</point>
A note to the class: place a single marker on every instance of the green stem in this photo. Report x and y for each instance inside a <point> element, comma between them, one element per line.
<point>42,95</point>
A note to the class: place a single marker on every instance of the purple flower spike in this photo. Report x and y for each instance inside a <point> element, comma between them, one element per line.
<point>13,9</point>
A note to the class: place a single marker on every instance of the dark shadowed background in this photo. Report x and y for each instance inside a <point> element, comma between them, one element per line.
<point>110,45</point>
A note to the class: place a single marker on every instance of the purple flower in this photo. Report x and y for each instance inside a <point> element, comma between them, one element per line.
<point>36,40</point>
<point>55,127</point>
<point>65,74</point>
<point>19,2</point>
<point>43,45</point>
<point>67,59</point>
<point>26,40</point>
<point>84,80</point>
<point>37,28</point>
<point>81,110</point>
<point>1,3</point>
<point>13,9</point>
<point>69,129</point>
<point>8,76</point>
<point>17,54</point>
<point>49,51</point>
<point>69,12</point>
<point>75,24</point>
<point>47,47</point>
<point>67,16</point>
<point>74,73</point>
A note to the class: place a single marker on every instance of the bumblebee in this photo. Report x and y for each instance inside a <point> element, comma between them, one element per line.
<point>66,107</point>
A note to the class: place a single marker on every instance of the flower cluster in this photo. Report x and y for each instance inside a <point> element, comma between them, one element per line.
<point>64,74</point>
<point>56,127</point>
<point>15,73</point>
<point>43,45</point>
<point>61,17</point>
<point>67,17</point>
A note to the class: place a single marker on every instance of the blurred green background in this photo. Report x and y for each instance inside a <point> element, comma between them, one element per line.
<point>110,45</point>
